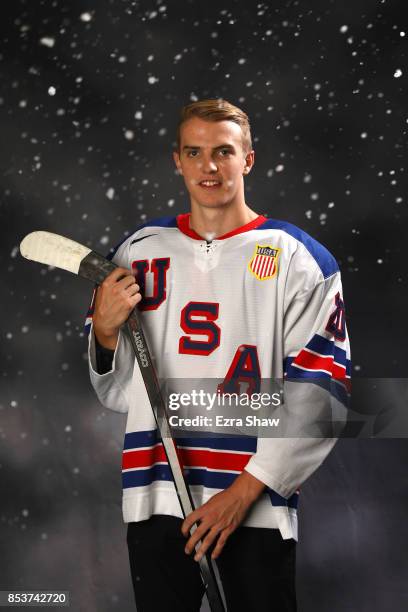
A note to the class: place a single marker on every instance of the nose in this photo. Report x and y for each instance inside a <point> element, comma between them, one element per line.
<point>208,165</point>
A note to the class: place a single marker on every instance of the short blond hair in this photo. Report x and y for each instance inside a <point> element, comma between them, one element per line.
<point>217,109</point>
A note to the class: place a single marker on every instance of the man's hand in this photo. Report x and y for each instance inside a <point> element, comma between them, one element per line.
<point>221,515</point>
<point>116,297</point>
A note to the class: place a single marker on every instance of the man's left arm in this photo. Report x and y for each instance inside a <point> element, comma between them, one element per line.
<point>317,355</point>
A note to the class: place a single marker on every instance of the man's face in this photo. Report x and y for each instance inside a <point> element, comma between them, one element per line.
<point>212,161</point>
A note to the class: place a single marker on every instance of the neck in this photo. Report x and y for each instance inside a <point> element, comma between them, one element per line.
<point>213,222</point>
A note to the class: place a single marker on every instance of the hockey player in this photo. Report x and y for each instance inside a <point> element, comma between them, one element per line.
<point>223,293</point>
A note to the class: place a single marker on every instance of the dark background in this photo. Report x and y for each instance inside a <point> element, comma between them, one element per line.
<point>90,97</point>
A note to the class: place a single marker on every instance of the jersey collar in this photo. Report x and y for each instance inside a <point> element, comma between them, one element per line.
<point>183,223</point>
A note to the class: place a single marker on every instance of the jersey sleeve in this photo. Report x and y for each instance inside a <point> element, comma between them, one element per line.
<point>317,373</point>
<point>113,388</point>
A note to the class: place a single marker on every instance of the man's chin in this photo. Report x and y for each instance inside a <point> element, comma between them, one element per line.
<point>211,203</point>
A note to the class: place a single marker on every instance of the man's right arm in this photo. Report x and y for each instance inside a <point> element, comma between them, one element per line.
<point>111,358</point>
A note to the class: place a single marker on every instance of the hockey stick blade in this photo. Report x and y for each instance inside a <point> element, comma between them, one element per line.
<point>61,252</point>
<point>66,254</point>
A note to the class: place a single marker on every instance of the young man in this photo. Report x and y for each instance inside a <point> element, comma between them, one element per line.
<point>224,293</point>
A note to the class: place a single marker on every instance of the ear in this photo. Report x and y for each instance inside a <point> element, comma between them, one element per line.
<point>176,158</point>
<point>249,162</point>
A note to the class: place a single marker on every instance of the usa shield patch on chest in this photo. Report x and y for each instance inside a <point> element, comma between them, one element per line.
<point>264,261</point>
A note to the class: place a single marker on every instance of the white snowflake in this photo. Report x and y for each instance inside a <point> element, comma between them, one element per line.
<point>47,41</point>
<point>86,17</point>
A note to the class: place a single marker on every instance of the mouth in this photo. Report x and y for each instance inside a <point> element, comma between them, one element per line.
<point>208,184</point>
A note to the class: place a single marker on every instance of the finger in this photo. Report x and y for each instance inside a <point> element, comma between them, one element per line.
<point>196,537</point>
<point>117,274</point>
<point>207,542</point>
<point>125,282</point>
<point>189,522</point>
<point>221,543</point>
<point>132,289</point>
<point>134,299</point>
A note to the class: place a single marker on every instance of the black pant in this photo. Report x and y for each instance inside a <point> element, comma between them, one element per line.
<point>256,566</point>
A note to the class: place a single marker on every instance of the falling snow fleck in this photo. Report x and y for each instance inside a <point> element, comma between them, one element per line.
<point>85,17</point>
<point>110,194</point>
<point>398,73</point>
<point>279,168</point>
<point>343,29</point>
<point>47,41</point>
<point>152,80</point>
<point>52,91</point>
<point>129,134</point>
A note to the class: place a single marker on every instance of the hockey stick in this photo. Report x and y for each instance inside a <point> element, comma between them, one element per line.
<point>60,252</point>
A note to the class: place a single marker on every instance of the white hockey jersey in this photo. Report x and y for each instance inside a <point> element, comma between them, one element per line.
<point>264,300</point>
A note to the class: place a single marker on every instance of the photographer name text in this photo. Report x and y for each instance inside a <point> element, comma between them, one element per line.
<point>219,420</point>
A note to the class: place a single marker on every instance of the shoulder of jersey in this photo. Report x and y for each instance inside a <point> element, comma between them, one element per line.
<point>155,225</point>
<point>323,258</point>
